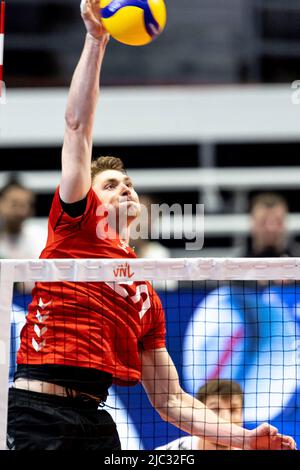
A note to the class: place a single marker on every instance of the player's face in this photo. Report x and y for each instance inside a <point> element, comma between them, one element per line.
<point>16,206</point>
<point>228,408</point>
<point>269,225</point>
<point>116,191</point>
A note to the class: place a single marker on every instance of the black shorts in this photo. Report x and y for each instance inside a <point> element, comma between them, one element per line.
<point>37,421</point>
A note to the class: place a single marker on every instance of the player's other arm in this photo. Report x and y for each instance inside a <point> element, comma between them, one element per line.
<point>81,108</point>
<point>160,381</point>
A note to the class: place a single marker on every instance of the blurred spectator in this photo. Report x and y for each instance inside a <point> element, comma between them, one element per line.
<point>226,399</point>
<point>17,238</point>
<point>269,231</point>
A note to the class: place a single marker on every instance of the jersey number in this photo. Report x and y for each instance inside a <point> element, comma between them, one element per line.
<point>121,289</point>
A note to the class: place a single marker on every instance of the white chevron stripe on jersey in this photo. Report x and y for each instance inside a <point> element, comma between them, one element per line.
<point>42,305</point>
<point>40,332</point>
<point>38,346</point>
<point>41,318</point>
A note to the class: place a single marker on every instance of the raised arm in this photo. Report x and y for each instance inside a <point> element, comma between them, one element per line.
<point>160,381</point>
<point>81,107</point>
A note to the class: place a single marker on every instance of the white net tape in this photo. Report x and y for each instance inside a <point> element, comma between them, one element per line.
<point>81,270</point>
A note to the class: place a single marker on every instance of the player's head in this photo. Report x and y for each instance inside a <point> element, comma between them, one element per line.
<point>268,221</point>
<point>225,398</point>
<point>16,205</point>
<point>114,187</point>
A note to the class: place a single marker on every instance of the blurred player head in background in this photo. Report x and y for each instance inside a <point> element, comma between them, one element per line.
<point>226,399</point>
<point>16,205</point>
<point>269,231</point>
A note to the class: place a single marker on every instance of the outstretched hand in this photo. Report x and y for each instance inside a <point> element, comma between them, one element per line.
<point>90,12</point>
<point>266,437</point>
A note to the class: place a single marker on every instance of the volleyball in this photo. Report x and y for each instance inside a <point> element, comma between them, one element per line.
<point>133,22</point>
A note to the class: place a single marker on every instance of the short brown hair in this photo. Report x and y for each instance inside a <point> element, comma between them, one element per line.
<point>268,200</point>
<point>106,163</point>
<point>221,387</point>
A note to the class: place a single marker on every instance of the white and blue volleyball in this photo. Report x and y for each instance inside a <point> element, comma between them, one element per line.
<point>133,22</point>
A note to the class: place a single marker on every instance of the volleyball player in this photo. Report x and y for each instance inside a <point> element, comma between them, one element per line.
<point>79,339</point>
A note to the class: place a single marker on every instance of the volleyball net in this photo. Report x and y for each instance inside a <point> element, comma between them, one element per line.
<point>233,319</point>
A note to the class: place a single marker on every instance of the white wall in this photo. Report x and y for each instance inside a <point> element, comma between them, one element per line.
<point>157,115</point>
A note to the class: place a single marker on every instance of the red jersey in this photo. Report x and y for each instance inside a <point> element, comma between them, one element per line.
<point>95,325</point>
